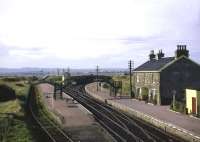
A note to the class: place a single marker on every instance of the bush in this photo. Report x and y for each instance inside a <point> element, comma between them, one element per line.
<point>13,79</point>
<point>179,107</point>
<point>19,84</point>
<point>6,93</point>
<point>105,85</point>
<point>34,78</point>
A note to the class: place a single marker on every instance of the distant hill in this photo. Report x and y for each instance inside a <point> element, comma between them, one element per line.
<point>53,71</point>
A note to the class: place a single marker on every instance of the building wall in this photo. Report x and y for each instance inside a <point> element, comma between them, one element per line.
<point>198,103</point>
<point>150,81</point>
<point>176,78</point>
<point>189,94</point>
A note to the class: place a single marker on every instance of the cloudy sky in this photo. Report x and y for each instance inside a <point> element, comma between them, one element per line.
<point>84,33</point>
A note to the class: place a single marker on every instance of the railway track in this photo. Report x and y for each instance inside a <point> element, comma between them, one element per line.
<point>50,128</point>
<point>120,125</point>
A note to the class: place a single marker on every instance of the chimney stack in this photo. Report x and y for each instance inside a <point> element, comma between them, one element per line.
<point>181,51</point>
<point>152,55</point>
<point>160,54</point>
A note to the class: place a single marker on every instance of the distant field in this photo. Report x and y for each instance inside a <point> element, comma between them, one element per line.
<point>57,79</point>
<point>18,129</point>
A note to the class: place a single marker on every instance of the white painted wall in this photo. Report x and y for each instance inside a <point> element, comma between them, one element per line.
<point>189,94</point>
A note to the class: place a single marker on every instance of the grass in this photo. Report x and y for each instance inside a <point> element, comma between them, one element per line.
<point>42,110</point>
<point>19,132</point>
<point>10,106</point>
<point>18,128</point>
<point>56,79</point>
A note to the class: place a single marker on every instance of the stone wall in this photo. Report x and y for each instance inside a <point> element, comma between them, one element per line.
<point>149,80</point>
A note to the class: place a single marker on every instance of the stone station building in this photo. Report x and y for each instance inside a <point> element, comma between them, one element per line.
<point>161,78</point>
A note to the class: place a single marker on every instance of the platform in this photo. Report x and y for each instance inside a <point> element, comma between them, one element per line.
<point>161,116</point>
<point>77,121</point>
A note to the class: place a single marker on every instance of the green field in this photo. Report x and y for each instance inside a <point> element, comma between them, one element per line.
<point>18,129</point>
<point>55,79</point>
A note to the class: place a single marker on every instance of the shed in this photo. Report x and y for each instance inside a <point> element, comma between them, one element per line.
<point>193,101</point>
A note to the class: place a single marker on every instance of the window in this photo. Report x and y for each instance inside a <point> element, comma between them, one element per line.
<point>155,78</point>
<point>148,78</point>
<point>137,78</point>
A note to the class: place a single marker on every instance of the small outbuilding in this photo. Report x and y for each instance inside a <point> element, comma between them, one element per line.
<point>193,101</point>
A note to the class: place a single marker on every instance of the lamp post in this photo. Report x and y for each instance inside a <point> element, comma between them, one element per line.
<point>97,74</point>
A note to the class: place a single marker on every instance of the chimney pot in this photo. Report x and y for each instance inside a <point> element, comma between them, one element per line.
<point>160,54</point>
<point>152,55</point>
<point>181,50</point>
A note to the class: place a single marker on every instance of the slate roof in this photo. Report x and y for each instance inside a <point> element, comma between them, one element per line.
<point>194,85</point>
<point>154,65</point>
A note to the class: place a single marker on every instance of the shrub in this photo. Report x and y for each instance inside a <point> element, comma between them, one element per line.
<point>13,79</point>
<point>34,78</point>
<point>179,107</point>
<point>6,93</point>
<point>105,85</point>
<point>19,84</point>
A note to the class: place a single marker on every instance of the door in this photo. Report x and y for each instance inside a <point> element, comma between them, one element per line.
<point>138,91</point>
<point>194,105</point>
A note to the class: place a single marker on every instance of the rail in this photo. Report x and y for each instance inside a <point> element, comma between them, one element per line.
<point>118,123</point>
<point>50,128</point>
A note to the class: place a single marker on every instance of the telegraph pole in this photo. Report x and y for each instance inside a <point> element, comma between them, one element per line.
<point>97,74</point>
<point>58,72</point>
<point>130,65</point>
<point>63,72</point>
<point>68,70</point>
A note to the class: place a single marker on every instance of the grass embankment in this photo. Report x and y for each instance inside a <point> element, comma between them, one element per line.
<point>125,83</point>
<point>40,109</point>
<point>41,114</point>
<point>18,129</point>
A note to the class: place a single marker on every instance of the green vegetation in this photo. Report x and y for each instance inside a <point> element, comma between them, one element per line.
<point>6,93</point>
<point>13,79</point>
<point>106,86</point>
<point>4,127</point>
<point>125,83</point>
<point>55,79</point>
<point>12,112</point>
<point>40,109</point>
<point>179,107</point>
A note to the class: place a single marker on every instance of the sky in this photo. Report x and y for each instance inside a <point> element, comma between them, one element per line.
<point>86,33</point>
